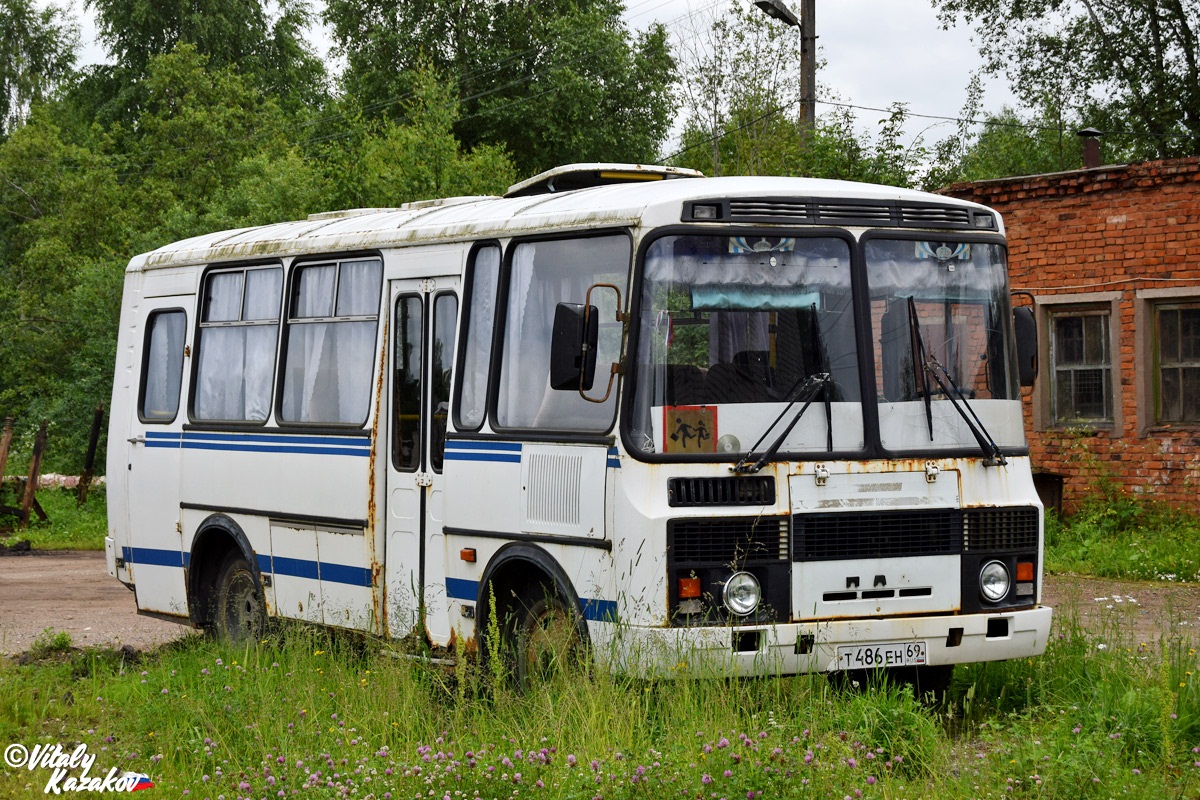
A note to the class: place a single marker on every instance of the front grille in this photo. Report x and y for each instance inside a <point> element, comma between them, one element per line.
<point>886,534</point>
<point>989,529</point>
<point>730,541</point>
<point>753,491</point>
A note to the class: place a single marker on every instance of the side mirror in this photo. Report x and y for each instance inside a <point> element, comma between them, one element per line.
<point>1025,328</point>
<point>573,346</point>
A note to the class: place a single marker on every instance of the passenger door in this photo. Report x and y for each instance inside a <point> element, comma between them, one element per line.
<point>153,555</point>
<point>424,315</point>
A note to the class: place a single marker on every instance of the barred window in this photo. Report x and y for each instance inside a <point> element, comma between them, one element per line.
<point>1081,362</point>
<point>1177,356</point>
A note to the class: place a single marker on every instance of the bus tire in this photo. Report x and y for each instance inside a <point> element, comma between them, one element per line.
<point>547,641</point>
<point>239,613</point>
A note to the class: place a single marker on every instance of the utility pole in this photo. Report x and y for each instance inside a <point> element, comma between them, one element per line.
<point>807,23</point>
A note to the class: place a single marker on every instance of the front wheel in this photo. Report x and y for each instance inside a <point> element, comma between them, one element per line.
<point>549,641</point>
<point>239,612</point>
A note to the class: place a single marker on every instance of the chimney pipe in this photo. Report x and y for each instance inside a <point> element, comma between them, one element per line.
<point>1091,147</point>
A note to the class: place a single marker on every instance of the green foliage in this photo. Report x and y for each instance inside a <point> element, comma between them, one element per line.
<point>553,83</point>
<point>1121,536</point>
<point>49,642</point>
<point>68,526</point>
<point>740,81</point>
<point>1126,67</point>
<point>37,55</point>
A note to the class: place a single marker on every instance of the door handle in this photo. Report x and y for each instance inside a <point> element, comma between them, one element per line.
<point>137,440</point>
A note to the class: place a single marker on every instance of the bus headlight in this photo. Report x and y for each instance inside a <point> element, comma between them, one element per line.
<point>741,594</point>
<point>994,581</point>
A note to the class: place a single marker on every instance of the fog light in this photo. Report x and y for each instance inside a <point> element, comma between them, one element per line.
<point>741,594</point>
<point>994,581</point>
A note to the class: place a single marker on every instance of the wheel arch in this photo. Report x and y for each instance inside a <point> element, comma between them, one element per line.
<point>216,537</point>
<point>513,568</point>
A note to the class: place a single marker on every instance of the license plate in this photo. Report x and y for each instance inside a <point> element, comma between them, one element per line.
<point>885,654</point>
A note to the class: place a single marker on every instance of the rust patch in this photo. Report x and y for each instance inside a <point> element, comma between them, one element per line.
<point>378,584</point>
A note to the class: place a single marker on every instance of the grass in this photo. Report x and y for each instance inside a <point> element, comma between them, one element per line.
<point>333,716</point>
<point>313,714</point>
<point>1117,536</point>
<point>68,526</point>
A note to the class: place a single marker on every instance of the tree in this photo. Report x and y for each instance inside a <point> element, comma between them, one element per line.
<point>266,43</point>
<point>1129,67</point>
<point>740,85</point>
<point>37,55</point>
<point>553,81</point>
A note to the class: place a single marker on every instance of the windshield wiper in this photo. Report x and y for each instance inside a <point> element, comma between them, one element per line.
<point>993,457</point>
<point>807,391</point>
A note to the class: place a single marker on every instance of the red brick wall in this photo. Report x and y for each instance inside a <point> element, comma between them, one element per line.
<point>1119,229</point>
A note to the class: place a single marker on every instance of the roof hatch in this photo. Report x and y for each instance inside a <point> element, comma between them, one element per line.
<point>585,176</point>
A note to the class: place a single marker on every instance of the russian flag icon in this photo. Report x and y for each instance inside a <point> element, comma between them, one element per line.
<point>143,782</point>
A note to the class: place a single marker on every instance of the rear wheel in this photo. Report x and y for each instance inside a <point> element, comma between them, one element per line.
<point>239,612</point>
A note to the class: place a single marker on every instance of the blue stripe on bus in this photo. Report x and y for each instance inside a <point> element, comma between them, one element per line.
<point>154,557</point>
<point>258,448</point>
<point>460,589</point>
<point>614,459</point>
<point>278,565</point>
<point>594,610</point>
<point>262,443</point>
<point>501,458</point>
<point>455,444</point>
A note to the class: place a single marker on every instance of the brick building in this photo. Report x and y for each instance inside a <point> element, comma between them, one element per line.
<point>1110,259</point>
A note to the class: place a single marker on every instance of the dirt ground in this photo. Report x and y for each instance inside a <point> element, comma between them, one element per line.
<point>71,591</point>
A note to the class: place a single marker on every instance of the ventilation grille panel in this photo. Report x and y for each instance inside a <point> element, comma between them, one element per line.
<point>732,541</point>
<point>829,211</point>
<point>752,491</point>
<point>987,529</point>
<point>554,485</point>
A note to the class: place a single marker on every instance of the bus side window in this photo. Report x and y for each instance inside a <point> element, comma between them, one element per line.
<point>330,344</point>
<point>235,345</point>
<point>445,315</point>
<point>482,280</point>
<point>162,371</point>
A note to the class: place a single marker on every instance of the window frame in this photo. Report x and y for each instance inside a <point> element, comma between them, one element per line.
<point>466,303</point>
<point>1047,305</point>
<point>143,383</point>
<point>201,325</point>
<point>1157,363</point>
<point>501,328</point>
<point>287,322</point>
<point>437,460</point>
<point>1057,420</point>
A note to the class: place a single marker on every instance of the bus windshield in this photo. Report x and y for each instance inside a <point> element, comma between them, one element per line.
<point>942,306</point>
<point>731,329</point>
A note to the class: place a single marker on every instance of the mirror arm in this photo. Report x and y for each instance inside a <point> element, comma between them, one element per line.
<point>617,368</point>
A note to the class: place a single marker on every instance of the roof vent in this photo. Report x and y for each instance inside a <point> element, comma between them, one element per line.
<point>585,176</point>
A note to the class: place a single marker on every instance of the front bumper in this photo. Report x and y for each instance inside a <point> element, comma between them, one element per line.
<point>812,647</point>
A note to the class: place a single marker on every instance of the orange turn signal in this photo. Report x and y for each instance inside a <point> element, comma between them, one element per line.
<point>1024,570</point>
<point>467,554</point>
<point>689,588</point>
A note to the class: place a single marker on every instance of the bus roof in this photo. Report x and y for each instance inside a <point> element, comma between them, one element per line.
<point>606,206</point>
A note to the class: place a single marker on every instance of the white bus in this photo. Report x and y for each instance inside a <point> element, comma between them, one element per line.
<point>762,425</point>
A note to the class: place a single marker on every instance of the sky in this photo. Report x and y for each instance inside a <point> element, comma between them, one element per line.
<point>876,52</point>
